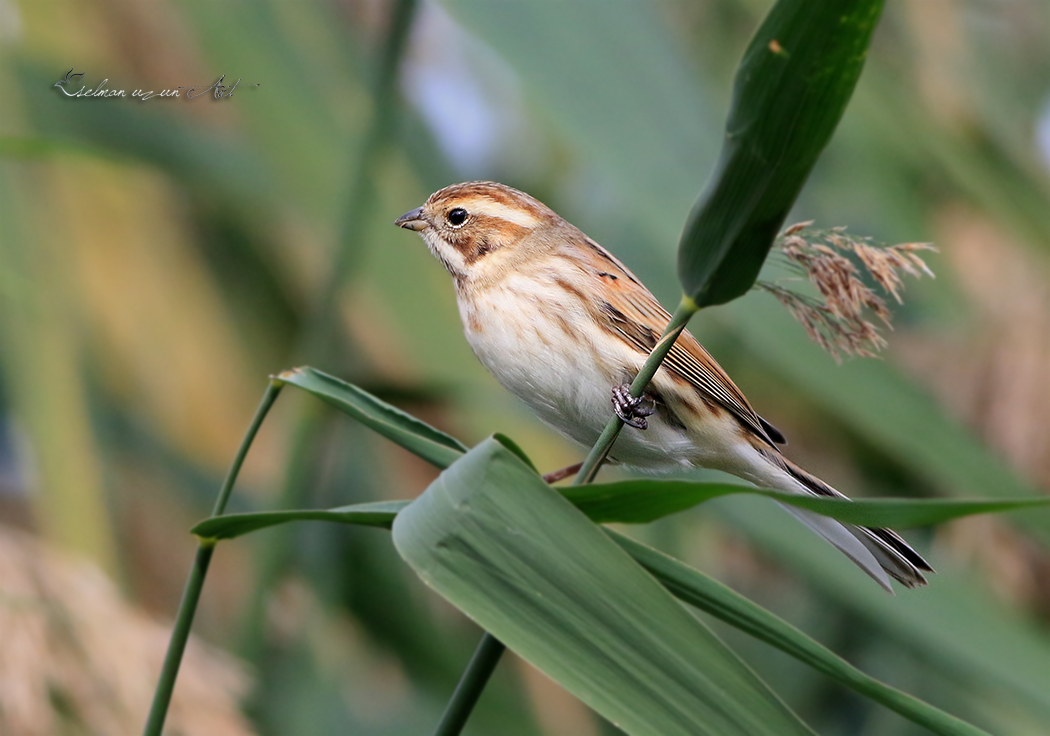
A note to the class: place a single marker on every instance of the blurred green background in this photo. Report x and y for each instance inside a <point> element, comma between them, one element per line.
<point>160,258</point>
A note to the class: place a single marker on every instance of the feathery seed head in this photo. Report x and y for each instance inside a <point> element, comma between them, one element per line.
<point>836,321</point>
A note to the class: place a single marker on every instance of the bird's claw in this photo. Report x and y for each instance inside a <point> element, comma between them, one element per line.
<point>630,408</point>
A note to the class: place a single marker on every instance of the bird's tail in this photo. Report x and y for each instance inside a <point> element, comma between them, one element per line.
<point>882,546</point>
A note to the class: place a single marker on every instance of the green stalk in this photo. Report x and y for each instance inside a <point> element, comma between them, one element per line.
<point>195,583</point>
<point>179,636</point>
<point>275,556</point>
<point>686,309</point>
<point>489,650</point>
<point>272,392</point>
<point>474,679</point>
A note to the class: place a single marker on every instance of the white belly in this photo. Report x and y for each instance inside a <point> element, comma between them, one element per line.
<point>568,381</point>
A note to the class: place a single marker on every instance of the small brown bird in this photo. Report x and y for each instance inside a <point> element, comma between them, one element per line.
<point>564,326</point>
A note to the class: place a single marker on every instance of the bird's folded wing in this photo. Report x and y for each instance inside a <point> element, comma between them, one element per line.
<point>640,319</point>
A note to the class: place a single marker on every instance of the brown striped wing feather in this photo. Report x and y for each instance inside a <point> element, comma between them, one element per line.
<point>637,317</point>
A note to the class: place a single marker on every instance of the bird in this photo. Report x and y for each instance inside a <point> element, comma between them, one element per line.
<point>562,324</point>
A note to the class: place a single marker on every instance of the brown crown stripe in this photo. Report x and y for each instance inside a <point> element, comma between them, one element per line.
<point>497,193</point>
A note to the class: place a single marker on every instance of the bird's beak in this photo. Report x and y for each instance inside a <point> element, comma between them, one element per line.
<point>412,220</point>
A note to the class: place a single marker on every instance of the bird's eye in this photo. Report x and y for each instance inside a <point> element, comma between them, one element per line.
<point>457,217</point>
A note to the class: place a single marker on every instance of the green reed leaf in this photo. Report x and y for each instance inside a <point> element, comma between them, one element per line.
<point>502,546</point>
<point>791,89</point>
<point>414,435</point>
<point>640,501</point>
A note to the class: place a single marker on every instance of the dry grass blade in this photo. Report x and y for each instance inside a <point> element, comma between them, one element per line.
<point>837,321</point>
<point>78,659</point>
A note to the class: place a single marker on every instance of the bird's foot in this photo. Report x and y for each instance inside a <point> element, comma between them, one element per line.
<point>630,408</point>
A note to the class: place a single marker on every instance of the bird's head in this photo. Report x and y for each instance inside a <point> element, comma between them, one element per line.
<point>478,229</point>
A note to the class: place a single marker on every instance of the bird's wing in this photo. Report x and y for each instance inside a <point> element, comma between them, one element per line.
<point>636,316</point>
